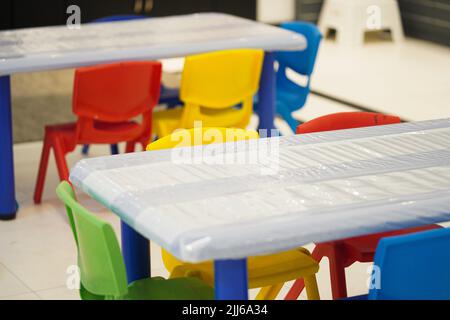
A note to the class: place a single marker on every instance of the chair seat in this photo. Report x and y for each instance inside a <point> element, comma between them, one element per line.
<point>173,289</point>
<point>110,132</point>
<point>265,270</point>
<point>294,96</point>
<point>363,248</point>
<point>167,121</point>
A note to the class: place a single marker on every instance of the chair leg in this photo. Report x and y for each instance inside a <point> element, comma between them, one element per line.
<point>337,274</point>
<point>270,292</point>
<point>114,149</point>
<point>312,291</point>
<point>85,150</point>
<point>297,288</point>
<point>39,188</point>
<point>130,147</point>
<point>60,158</point>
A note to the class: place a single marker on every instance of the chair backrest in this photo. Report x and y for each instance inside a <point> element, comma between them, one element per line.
<point>346,120</point>
<point>301,61</point>
<point>213,83</point>
<point>102,270</point>
<point>116,92</point>
<point>194,137</point>
<point>413,267</point>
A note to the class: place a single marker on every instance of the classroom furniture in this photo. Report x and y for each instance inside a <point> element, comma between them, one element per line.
<point>411,267</point>
<point>351,19</point>
<point>16,14</point>
<point>212,85</point>
<point>301,189</point>
<point>102,270</point>
<point>343,253</point>
<point>292,96</point>
<point>106,99</point>
<point>268,272</point>
<point>50,48</point>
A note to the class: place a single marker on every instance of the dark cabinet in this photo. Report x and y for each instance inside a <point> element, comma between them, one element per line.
<point>94,9</point>
<point>5,14</point>
<point>26,13</point>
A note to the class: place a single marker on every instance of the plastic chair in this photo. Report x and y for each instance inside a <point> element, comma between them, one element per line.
<point>212,86</point>
<point>102,270</point>
<point>105,99</point>
<point>343,253</point>
<point>167,96</point>
<point>412,267</point>
<point>351,19</point>
<point>292,96</point>
<point>268,272</point>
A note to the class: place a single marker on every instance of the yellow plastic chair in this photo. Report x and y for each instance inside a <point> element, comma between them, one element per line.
<point>212,85</point>
<point>268,272</point>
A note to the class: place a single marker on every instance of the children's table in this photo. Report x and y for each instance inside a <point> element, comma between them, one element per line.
<point>47,48</point>
<point>226,202</point>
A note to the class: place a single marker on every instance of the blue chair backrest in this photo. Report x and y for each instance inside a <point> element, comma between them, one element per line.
<point>413,267</point>
<point>301,61</point>
<point>119,18</point>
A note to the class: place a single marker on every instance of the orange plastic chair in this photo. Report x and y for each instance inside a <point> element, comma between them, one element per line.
<point>105,98</point>
<point>343,253</point>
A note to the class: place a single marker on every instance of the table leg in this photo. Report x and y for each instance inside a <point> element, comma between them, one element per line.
<point>136,253</point>
<point>8,204</point>
<point>230,279</point>
<point>267,94</point>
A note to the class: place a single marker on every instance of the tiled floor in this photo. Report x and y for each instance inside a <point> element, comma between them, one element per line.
<point>37,248</point>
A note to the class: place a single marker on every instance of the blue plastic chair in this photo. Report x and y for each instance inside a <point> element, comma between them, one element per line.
<point>413,267</point>
<point>292,96</point>
<point>168,96</point>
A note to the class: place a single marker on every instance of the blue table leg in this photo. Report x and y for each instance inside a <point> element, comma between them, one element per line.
<point>136,254</point>
<point>230,279</point>
<point>8,204</point>
<point>267,94</point>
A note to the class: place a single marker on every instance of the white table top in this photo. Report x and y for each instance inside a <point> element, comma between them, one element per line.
<point>326,186</point>
<point>57,47</point>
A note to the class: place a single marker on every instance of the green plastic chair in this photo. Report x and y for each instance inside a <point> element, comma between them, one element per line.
<point>102,270</point>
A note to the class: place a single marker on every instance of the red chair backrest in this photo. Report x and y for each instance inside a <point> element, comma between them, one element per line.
<point>346,120</point>
<point>116,92</point>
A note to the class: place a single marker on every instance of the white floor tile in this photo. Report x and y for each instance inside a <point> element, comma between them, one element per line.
<point>24,296</point>
<point>60,293</point>
<point>410,79</point>
<point>10,285</point>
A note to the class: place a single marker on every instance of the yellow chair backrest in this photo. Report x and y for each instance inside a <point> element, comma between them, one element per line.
<point>214,83</point>
<point>193,137</point>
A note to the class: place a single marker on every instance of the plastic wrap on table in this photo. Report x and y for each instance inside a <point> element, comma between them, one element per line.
<point>45,48</point>
<point>325,186</point>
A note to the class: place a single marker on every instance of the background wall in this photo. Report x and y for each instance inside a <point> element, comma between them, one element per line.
<point>423,19</point>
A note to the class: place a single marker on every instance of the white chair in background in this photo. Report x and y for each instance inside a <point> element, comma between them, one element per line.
<point>353,18</point>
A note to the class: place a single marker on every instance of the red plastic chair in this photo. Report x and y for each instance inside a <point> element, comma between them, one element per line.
<point>105,98</point>
<point>343,253</point>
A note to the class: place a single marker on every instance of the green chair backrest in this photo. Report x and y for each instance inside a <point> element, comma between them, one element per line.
<point>102,270</point>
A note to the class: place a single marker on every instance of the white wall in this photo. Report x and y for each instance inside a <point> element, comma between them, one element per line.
<point>275,11</point>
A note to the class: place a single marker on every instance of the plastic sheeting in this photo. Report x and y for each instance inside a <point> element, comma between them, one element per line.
<point>324,186</point>
<point>156,38</point>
